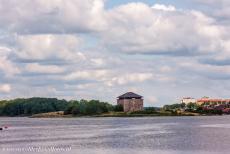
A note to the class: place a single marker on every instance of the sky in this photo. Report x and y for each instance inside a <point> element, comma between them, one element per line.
<point>99,49</point>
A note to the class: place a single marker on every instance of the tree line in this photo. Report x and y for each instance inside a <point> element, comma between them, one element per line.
<point>30,106</point>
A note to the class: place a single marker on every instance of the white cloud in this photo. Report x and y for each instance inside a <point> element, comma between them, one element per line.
<point>5,88</point>
<point>122,28</point>
<point>97,75</point>
<point>165,69</point>
<point>8,67</point>
<point>130,78</point>
<point>40,47</point>
<point>151,100</point>
<point>57,16</point>
<point>207,71</point>
<point>4,51</point>
<point>84,46</point>
<point>48,69</point>
<point>98,61</point>
<point>109,78</point>
<point>217,8</point>
<point>164,7</point>
<point>85,86</point>
<point>161,31</point>
<point>220,2</point>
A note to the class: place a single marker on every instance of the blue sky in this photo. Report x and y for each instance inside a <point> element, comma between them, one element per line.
<point>100,49</point>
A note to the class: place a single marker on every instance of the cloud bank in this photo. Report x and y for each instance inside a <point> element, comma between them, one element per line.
<point>82,49</point>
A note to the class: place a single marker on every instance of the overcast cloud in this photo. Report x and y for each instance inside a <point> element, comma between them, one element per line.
<point>75,49</point>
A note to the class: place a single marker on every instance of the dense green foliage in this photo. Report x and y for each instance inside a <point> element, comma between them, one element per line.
<point>192,107</point>
<point>147,110</point>
<point>118,108</point>
<point>173,106</point>
<point>189,106</point>
<point>153,109</point>
<point>20,107</point>
<point>30,106</point>
<point>210,111</point>
<point>84,107</point>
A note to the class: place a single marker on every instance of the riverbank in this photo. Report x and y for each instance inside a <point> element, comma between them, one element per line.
<point>54,108</point>
<point>60,114</point>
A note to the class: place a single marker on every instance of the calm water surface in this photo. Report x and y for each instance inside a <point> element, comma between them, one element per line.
<point>163,135</point>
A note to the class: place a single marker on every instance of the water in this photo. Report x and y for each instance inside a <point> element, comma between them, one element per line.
<point>161,135</point>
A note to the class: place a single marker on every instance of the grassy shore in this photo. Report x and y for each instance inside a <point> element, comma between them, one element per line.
<point>60,114</point>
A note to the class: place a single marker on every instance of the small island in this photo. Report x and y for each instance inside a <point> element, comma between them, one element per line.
<point>128,105</point>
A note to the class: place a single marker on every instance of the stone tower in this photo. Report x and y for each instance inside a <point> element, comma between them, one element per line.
<point>130,102</point>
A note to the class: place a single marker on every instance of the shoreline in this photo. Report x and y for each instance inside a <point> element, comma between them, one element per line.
<point>60,114</point>
<point>99,116</point>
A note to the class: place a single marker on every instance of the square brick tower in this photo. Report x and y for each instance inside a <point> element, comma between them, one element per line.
<point>130,102</point>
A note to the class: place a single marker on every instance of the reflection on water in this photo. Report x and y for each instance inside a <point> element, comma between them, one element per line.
<point>116,135</point>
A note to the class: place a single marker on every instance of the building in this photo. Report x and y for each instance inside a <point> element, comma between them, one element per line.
<point>208,101</point>
<point>188,100</point>
<point>130,102</point>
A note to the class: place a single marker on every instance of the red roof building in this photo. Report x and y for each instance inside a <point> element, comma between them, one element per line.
<point>209,101</point>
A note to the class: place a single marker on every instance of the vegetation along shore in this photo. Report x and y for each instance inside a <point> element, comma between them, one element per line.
<point>52,107</point>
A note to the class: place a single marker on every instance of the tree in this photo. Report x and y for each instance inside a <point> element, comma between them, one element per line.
<point>118,108</point>
<point>192,106</point>
<point>84,107</point>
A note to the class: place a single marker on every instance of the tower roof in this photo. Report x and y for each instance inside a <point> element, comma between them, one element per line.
<point>129,95</point>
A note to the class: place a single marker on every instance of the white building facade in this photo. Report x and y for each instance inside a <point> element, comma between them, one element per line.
<point>188,100</point>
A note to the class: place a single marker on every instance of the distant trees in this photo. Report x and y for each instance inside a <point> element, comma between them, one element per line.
<point>84,107</point>
<point>174,106</point>
<point>2,104</point>
<point>189,106</point>
<point>195,108</point>
<point>31,106</point>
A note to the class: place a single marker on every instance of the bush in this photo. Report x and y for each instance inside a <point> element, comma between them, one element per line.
<point>211,112</point>
<point>153,109</point>
<point>173,107</point>
<point>84,107</point>
<point>148,111</point>
<point>118,108</point>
